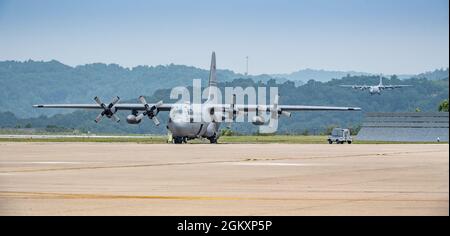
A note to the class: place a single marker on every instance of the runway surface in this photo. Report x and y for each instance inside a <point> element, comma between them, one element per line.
<point>223,179</point>
<point>47,136</point>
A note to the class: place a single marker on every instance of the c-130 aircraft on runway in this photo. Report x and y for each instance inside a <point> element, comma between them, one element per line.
<point>182,124</point>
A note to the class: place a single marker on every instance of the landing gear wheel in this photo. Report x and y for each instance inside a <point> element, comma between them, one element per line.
<point>330,142</point>
<point>178,140</point>
<point>213,139</point>
<point>349,142</point>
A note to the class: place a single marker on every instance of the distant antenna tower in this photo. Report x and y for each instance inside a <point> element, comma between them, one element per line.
<point>246,71</point>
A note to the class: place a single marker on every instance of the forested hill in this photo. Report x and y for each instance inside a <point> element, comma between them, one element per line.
<point>425,95</point>
<point>25,83</point>
<point>31,82</point>
<point>325,76</point>
<point>434,75</point>
<point>318,75</point>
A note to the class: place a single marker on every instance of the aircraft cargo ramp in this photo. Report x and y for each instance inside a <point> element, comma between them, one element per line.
<point>405,126</point>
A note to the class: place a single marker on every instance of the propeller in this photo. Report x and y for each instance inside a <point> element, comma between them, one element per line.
<point>150,111</point>
<point>108,110</point>
<point>275,112</point>
<point>232,112</point>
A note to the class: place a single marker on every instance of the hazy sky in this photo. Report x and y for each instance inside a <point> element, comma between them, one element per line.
<point>379,36</point>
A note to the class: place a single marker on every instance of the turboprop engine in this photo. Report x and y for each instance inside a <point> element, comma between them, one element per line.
<point>131,119</point>
<point>275,112</point>
<point>258,120</point>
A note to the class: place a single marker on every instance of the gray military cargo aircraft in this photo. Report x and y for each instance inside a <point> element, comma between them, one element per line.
<point>376,89</point>
<point>181,125</point>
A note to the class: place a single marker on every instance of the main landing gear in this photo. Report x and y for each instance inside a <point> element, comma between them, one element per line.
<point>179,140</point>
<point>213,139</point>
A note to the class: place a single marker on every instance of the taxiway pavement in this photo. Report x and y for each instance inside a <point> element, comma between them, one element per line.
<point>224,179</point>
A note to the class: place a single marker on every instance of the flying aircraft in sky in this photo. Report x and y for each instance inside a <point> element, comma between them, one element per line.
<point>375,89</point>
<point>183,124</point>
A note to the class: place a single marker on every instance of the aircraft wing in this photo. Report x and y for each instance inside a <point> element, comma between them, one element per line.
<point>362,87</point>
<point>110,109</point>
<point>315,108</point>
<point>168,106</point>
<point>285,110</point>
<point>120,106</point>
<point>395,86</point>
<point>289,108</point>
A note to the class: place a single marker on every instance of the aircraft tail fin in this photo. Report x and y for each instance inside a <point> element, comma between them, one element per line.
<point>381,80</point>
<point>212,71</point>
<point>212,76</point>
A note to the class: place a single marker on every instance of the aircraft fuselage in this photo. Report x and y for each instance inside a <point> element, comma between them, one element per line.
<point>375,90</point>
<point>184,125</point>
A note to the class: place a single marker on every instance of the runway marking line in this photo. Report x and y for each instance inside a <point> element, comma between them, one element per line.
<point>205,162</point>
<point>47,162</point>
<point>118,166</point>
<point>46,195</point>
